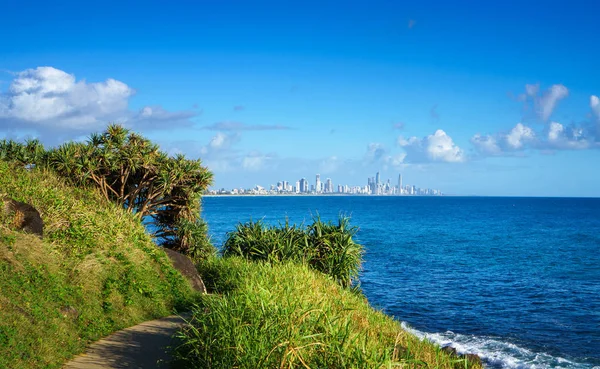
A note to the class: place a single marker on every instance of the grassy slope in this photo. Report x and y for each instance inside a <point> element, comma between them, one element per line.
<point>96,271</point>
<point>288,316</point>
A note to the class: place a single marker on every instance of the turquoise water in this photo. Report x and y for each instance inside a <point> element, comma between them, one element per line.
<point>514,280</point>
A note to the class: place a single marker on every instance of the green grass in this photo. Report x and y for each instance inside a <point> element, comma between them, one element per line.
<point>96,271</point>
<point>286,315</point>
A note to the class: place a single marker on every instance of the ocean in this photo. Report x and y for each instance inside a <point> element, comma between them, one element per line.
<point>513,280</point>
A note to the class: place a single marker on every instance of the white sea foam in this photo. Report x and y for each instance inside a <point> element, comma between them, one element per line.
<point>496,353</point>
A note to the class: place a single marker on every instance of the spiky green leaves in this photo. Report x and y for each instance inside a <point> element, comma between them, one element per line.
<point>325,246</point>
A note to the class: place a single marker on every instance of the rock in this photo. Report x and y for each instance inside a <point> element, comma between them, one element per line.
<point>24,216</point>
<point>186,268</point>
<point>449,350</point>
<point>69,312</point>
<point>472,358</point>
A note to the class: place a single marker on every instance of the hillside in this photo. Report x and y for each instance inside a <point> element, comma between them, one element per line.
<point>95,271</point>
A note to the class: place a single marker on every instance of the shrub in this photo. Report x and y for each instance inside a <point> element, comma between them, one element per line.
<point>326,247</point>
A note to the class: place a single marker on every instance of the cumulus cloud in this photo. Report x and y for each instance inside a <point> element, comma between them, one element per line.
<point>553,136</point>
<point>543,104</point>
<point>49,97</point>
<point>486,144</point>
<point>570,138</point>
<point>50,100</point>
<point>520,138</point>
<point>239,126</point>
<point>436,147</point>
<point>517,139</point>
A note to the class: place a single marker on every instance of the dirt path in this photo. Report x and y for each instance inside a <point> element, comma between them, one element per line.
<point>140,346</point>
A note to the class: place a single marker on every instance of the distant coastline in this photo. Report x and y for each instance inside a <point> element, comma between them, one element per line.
<point>311,195</point>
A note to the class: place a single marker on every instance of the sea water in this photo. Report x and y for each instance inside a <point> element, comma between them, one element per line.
<point>513,280</point>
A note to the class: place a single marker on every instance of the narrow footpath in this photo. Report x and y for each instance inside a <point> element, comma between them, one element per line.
<point>141,346</point>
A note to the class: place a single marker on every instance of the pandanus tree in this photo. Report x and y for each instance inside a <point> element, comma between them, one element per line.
<point>27,154</point>
<point>131,171</point>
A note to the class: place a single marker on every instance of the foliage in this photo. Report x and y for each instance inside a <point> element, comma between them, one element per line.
<point>96,271</point>
<point>326,247</point>
<point>25,154</point>
<point>284,315</point>
<point>132,172</point>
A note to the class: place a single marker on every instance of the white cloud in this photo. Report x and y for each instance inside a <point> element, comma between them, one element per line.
<point>441,148</point>
<point>518,136</point>
<point>397,161</point>
<point>52,101</point>
<point>221,155</point>
<point>556,131</point>
<point>543,104</point>
<point>486,144</point>
<point>375,152</point>
<point>256,161</point>
<point>436,147</point>
<point>521,138</point>
<point>219,142</point>
<point>595,105</point>
<point>46,96</point>
<point>532,90</point>
<point>573,138</point>
<point>548,101</point>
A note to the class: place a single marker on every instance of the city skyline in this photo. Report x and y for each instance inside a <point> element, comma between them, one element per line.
<point>476,98</point>
<point>374,186</point>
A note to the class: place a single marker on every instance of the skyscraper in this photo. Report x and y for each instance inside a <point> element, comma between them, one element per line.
<point>329,186</point>
<point>303,185</point>
<point>400,184</point>
<point>318,184</point>
<point>377,179</point>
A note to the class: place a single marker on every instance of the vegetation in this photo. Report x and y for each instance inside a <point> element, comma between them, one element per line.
<point>131,171</point>
<point>324,246</point>
<point>95,271</point>
<point>282,295</point>
<point>284,315</point>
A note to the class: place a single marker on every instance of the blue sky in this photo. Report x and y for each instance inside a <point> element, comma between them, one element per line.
<point>472,98</point>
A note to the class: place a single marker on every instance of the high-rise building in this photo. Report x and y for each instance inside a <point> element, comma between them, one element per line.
<point>400,184</point>
<point>318,183</point>
<point>303,185</point>
<point>378,179</point>
<point>329,187</point>
<point>297,187</point>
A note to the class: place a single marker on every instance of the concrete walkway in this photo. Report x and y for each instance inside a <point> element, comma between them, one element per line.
<point>141,346</point>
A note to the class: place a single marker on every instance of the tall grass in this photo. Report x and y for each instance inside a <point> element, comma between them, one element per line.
<point>326,247</point>
<point>95,271</point>
<point>285,315</point>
